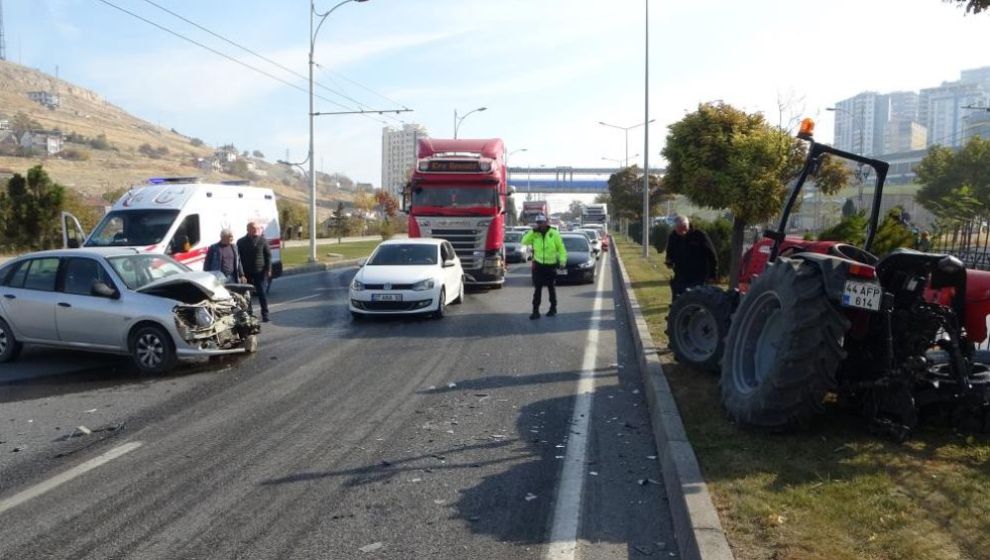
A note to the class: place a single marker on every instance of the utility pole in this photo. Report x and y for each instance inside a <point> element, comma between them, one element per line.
<point>646,141</point>
<point>3,42</point>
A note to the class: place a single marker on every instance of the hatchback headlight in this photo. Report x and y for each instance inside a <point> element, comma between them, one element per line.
<point>424,285</point>
<point>357,286</point>
<point>204,318</point>
<point>587,264</point>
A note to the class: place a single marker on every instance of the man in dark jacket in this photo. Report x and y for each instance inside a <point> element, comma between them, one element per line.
<point>225,258</point>
<point>256,258</point>
<point>691,255</point>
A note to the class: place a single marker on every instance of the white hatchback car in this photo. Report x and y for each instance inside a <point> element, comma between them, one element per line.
<point>408,276</point>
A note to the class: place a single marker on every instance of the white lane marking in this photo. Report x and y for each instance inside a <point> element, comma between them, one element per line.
<point>58,480</point>
<point>311,296</point>
<point>567,509</point>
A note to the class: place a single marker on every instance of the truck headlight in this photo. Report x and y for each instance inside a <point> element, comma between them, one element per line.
<point>357,286</point>
<point>424,285</point>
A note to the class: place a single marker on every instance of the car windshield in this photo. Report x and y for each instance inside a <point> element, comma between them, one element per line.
<point>455,197</point>
<point>576,244</point>
<point>513,237</point>
<point>408,254</point>
<point>139,270</point>
<point>123,228</point>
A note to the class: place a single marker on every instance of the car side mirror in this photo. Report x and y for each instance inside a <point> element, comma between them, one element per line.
<point>449,263</point>
<point>101,289</point>
<point>362,262</point>
<point>73,243</point>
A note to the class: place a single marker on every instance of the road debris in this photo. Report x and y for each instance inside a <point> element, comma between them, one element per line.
<point>530,497</point>
<point>452,385</point>
<point>82,431</point>
<point>90,411</point>
<point>371,547</point>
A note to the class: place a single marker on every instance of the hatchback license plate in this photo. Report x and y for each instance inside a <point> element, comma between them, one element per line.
<point>862,295</point>
<point>386,297</point>
<point>561,272</point>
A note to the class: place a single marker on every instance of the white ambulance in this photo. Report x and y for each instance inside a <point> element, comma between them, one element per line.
<point>181,217</point>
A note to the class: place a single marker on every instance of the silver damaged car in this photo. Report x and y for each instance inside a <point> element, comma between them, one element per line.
<point>120,301</point>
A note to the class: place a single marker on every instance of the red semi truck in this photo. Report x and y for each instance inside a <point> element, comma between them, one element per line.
<point>458,192</point>
<point>532,209</point>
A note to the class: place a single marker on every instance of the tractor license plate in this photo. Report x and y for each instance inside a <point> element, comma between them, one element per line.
<point>862,295</point>
<point>386,297</point>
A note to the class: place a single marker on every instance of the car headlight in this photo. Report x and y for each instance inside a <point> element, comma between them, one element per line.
<point>424,285</point>
<point>204,318</point>
<point>587,264</point>
<point>357,286</point>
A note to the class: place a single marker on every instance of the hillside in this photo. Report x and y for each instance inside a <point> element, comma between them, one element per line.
<point>84,113</point>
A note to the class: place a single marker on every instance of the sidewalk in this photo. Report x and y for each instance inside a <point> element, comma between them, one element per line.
<point>333,240</point>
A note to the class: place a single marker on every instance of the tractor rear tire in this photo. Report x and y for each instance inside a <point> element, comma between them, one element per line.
<point>696,327</point>
<point>783,349</point>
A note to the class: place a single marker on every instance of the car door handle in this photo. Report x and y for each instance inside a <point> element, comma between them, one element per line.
<point>10,296</point>
<point>63,304</point>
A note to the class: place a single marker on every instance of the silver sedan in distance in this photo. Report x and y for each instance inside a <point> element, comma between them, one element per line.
<point>121,301</point>
<point>408,277</point>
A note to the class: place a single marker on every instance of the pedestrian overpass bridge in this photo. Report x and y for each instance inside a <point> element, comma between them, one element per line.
<point>564,180</point>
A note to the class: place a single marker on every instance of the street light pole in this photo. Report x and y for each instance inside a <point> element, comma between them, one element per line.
<point>457,122</point>
<point>312,113</point>
<point>646,141</point>
<point>626,130</point>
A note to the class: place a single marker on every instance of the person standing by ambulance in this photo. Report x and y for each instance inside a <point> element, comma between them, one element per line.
<point>256,258</point>
<point>549,254</point>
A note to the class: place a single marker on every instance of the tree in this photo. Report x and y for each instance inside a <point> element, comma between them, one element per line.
<point>850,229</point>
<point>22,123</point>
<point>723,158</point>
<point>291,213</point>
<point>972,6</point>
<point>956,184</point>
<point>625,193</point>
<point>892,233</point>
<point>32,206</point>
<point>258,154</point>
<point>388,205</point>
<point>196,142</point>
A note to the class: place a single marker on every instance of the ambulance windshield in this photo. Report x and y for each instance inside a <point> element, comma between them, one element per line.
<point>126,228</point>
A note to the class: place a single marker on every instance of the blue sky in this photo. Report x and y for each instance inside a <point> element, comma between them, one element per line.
<point>548,70</point>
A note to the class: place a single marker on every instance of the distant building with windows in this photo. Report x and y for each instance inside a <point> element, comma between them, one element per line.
<point>944,113</point>
<point>904,136</point>
<point>47,98</point>
<point>859,123</point>
<point>399,155</point>
<point>48,142</point>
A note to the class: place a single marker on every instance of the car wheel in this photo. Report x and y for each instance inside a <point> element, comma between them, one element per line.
<point>152,350</point>
<point>441,305</point>
<point>9,347</point>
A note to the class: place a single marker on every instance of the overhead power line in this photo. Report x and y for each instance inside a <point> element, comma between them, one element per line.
<point>227,56</point>
<point>261,56</point>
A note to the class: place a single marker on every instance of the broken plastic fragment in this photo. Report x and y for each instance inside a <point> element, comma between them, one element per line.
<point>84,430</point>
<point>530,497</point>
<point>371,547</point>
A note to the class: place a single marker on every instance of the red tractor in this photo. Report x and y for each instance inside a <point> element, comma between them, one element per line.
<point>894,336</point>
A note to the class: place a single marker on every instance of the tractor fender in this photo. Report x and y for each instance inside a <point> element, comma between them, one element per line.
<point>834,272</point>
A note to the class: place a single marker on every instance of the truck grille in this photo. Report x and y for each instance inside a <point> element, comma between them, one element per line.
<point>468,242</point>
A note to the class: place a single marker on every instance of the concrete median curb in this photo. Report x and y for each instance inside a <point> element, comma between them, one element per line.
<point>697,527</point>
<point>319,267</point>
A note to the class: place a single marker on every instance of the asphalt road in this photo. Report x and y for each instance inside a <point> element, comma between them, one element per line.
<point>483,435</point>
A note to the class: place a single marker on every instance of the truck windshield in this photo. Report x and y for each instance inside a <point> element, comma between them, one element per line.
<point>122,228</point>
<point>455,197</point>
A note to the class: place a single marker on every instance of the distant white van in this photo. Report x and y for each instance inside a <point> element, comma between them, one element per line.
<point>181,217</point>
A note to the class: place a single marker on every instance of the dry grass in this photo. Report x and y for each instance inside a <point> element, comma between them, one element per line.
<point>833,491</point>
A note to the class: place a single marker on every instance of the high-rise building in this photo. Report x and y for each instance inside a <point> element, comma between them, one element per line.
<point>904,136</point>
<point>977,76</point>
<point>399,155</point>
<point>942,108</point>
<point>976,123</point>
<point>860,121</point>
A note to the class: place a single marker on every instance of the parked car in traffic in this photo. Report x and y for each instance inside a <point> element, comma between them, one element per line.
<point>515,251</point>
<point>594,238</point>
<point>121,301</point>
<point>408,276</point>
<point>581,259</point>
